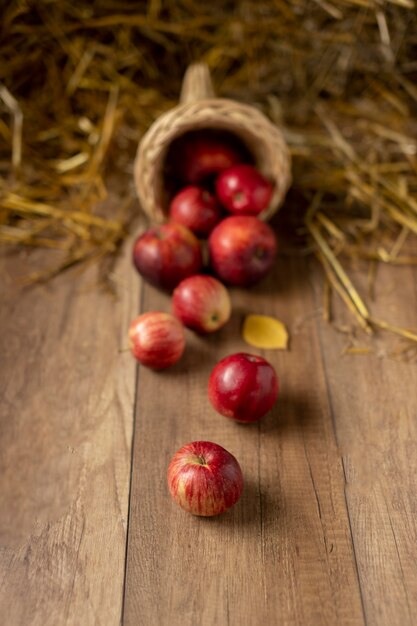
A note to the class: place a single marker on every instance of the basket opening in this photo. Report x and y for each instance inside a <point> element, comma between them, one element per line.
<point>171,170</point>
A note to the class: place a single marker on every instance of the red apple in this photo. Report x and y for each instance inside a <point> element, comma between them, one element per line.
<point>201,156</point>
<point>195,208</point>
<point>157,339</point>
<point>242,250</point>
<point>204,478</point>
<point>242,190</point>
<point>167,254</point>
<point>202,303</point>
<point>243,387</point>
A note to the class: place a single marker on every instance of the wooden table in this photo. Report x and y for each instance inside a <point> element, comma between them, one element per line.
<point>325,532</point>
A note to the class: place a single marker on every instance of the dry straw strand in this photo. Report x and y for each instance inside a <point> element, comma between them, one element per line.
<point>81,83</point>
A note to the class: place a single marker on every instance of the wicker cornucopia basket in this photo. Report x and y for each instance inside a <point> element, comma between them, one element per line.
<point>199,109</point>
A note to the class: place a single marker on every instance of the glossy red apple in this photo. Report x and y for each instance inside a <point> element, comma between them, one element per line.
<point>242,190</point>
<point>167,254</point>
<point>204,478</point>
<point>202,303</point>
<point>157,339</point>
<point>243,387</point>
<point>201,156</point>
<point>196,208</point>
<point>242,250</point>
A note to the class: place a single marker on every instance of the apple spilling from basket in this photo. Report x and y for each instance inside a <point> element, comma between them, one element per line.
<point>215,209</point>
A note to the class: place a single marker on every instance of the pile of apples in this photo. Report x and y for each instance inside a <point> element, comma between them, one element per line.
<point>213,214</point>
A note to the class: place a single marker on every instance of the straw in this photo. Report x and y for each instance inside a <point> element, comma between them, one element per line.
<point>80,83</point>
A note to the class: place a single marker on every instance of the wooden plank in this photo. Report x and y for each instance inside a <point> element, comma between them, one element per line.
<point>374,402</point>
<point>66,417</point>
<point>284,553</point>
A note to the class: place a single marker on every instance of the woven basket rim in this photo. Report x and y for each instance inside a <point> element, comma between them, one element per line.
<point>247,122</point>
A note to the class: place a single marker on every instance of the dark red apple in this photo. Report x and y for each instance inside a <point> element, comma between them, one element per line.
<point>167,254</point>
<point>201,156</point>
<point>202,303</point>
<point>157,339</point>
<point>204,478</point>
<point>242,190</point>
<point>242,250</point>
<point>243,387</point>
<point>195,208</point>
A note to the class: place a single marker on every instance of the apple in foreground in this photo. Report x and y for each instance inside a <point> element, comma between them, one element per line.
<point>196,208</point>
<point>243,387</point>
<point>166,254</point>
<point>243,190</point>
<point>242,250</point>
<point>157,339</point>
<point>202,156</point>
<point>202,303</point>
<point>204,478</point>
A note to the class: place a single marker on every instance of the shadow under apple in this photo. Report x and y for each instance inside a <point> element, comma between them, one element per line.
<point>291,412</point>
<point>247,512</point>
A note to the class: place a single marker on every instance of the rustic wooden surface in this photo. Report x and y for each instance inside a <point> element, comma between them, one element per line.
<point>325,532</point>
<point>67,398</point>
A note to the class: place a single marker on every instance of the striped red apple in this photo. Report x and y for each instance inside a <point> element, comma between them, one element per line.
<point>242,250</point>
<point>202,303</point>
<point>164,255</point>
<point>243,190</point>
<point>243,387</point>
<point>157,339</point>
<point>204,478</point>
<point>196,208</point>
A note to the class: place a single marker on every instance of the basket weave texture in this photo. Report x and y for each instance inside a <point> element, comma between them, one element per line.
<point>199,109</point>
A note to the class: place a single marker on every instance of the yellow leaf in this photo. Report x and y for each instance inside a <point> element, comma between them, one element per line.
<point>263,331</point>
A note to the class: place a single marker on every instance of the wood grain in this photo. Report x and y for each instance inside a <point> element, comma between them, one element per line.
<point>374,403</point>
<point>284,553</point>
<point>67,397</point>
<point>325,532</point>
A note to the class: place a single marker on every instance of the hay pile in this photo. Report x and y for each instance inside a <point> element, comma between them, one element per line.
<point>80,83</point>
